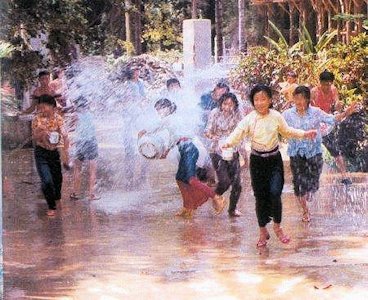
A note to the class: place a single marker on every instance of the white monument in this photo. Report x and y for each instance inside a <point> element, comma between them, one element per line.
<point>196,44</point>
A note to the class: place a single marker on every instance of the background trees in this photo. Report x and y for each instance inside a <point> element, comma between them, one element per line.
<point>118,27</point>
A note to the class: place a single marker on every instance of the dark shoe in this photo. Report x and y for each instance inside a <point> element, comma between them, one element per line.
<point>235,213</point>
<point>346,181</point>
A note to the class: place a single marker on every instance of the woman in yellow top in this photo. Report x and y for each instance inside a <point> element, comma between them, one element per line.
<point>263,126</point>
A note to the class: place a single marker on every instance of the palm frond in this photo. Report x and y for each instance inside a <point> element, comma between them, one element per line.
<point>275,44</point>
<point>325,40</point>
<point>279,34</point>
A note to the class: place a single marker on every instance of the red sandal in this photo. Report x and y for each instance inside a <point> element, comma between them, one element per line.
<point>263,242</point>
<point>283,238</point>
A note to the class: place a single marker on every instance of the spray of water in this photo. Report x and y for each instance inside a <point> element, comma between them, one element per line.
<point>119,114</point>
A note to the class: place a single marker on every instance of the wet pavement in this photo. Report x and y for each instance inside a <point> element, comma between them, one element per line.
<point>129,245</point>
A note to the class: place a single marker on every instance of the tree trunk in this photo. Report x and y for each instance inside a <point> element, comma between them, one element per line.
<point>241,33</point>
<point>128,32</point>
<point>138,27</point>
<point>218,27</point>
<point>194,9</point>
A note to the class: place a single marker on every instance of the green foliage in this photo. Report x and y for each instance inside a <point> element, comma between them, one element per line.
<point>305,44</point>
<point>6,49</point>
<point>347,62</point>
<point>163,22</point>
<point>348,17</point>
<point>62,20</point>
<point>281,45</point>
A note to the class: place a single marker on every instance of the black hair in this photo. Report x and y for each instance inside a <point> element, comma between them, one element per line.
<point>260,88</point>
<point>172,81</point>
<point>43,73</point>
<point>222,85</point>
<point>47,99</point>
<point>165,103</point>
<point>130,73</point>
<point>226,96</point>
<point>304,91</point>
<point>326,76</point>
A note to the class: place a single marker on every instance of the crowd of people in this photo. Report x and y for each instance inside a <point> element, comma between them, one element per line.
<point>220,137</point>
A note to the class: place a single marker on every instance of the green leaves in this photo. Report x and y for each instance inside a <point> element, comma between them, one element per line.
<point>6,49</point>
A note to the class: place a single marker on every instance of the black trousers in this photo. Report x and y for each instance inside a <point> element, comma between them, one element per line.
<point>306,173</point>
<point>267,176</point>
<point>228,174</point>
<point>49,169</point>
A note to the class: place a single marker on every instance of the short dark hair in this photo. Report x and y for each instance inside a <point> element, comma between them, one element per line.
<point>326,76</point>
<point>226,96</point>
<point>172,81</point>
<point>165,103</point>
<point>43,73</point>
<point>130,72</point>
<point>304,91</point>
<point>222,85</point>
<point>47,99</point>
<point>260,88</point>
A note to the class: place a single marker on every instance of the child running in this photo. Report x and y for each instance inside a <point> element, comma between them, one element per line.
<point>193,191</point>
<point>263,126</point>
<point>86,150</point>
<point>49,134</point>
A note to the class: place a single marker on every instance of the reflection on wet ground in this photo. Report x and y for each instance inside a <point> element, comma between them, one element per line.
<point>128,244</point>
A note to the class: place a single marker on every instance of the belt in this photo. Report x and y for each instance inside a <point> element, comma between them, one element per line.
<point>267,153</point>
<point>182,139</point>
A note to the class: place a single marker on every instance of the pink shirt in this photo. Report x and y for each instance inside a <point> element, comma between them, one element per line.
<point>325,101</point>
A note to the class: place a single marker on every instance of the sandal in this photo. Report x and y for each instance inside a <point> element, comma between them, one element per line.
<point>74,196</point>
<point>283,238</point>
<point>263,242</point>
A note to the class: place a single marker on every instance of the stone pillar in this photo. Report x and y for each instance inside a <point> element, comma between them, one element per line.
<point>196,44</point>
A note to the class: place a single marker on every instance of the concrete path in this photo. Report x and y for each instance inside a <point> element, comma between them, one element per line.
<point>129,245</point>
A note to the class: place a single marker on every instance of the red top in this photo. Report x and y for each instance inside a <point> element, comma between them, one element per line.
<point>325,101</point>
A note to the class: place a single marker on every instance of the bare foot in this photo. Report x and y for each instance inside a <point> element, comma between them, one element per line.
<point>185,213</point>
<point>219,204</point>
<point>51,213</point>
<point>306,217</point>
